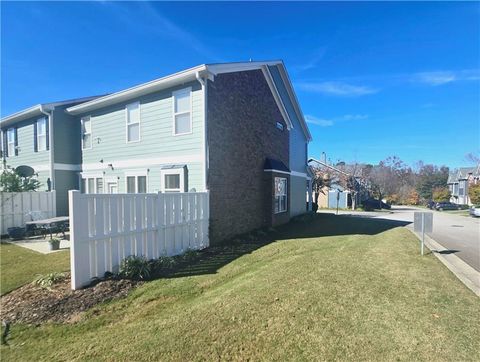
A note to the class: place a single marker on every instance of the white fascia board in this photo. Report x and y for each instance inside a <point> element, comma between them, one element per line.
<point>239,67</point>
<point>23,115</point>
<point>276,96</point>
<point>139,90</point>
<point>294,99</point>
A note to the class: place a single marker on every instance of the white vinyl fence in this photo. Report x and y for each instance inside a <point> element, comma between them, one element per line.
<point>106,228</point>
<point>16,208</point>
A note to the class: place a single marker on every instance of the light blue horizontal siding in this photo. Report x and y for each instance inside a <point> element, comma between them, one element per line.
<point>156,130</point>
<point>298,140</point>
<point>26,154</point>
<point>154,181</point>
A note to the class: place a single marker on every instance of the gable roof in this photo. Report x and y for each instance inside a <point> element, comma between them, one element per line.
<point>203,71</point>
<point>39,109</point>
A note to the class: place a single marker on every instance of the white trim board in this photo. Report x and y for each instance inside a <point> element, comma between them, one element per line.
<point>144,162</point>
<point>66,167</point>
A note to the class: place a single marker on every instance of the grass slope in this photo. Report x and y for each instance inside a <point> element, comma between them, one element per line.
<point>19,266</point>
<point>337,288</point>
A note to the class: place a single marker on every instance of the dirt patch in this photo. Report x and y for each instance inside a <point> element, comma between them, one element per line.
<point>32,304</point>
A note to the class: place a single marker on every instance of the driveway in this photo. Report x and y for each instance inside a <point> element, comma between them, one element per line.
<point>460,234</point>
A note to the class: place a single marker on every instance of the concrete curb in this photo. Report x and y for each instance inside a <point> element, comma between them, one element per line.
<point>467,275</point>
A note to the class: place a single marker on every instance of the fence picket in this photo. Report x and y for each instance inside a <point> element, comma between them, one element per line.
<point>109,227</point>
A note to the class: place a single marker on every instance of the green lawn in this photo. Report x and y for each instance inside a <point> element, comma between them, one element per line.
<point>336,288</point>
<point>19,266</point>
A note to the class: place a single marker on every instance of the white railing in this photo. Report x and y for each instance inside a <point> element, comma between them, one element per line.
<point>16,208</point>
<point>106,228</point>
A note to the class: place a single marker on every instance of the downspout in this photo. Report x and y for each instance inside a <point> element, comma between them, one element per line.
<point>203,83</point>
<point>50,144</point>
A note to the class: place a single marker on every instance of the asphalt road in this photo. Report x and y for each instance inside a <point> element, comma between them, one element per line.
<point>460,234</point>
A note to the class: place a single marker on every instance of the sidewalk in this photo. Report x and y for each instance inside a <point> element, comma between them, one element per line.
<point>468,276</point>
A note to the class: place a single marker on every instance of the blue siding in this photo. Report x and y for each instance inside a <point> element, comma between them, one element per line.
<point>157,141</point>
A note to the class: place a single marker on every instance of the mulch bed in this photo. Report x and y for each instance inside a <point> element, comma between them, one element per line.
<point>32,304</point>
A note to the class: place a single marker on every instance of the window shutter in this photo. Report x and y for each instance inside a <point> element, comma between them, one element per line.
<point>5,144</point>
<point>35,137</point>
<point>16,140</point>
<point>1,144</point>
<point>47,132</point>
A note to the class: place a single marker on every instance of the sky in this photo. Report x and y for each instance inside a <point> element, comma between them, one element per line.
<point>373,79</point>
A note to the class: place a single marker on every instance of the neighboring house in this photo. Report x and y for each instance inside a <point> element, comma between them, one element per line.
<point>459,181</point>
<point>235,129</point>
<point>45,138</point>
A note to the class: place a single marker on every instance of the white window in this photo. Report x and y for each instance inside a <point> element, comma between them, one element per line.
<point>280,195</point>
<point>92,184</point>
<point>136,182</point>
<point>133,122</point>
<point>41,134</point>
<point>11,142</point>
<point>182,111</point>
<point>86,133</point>
<point>173,180</point>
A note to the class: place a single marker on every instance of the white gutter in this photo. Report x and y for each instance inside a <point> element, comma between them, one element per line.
<point>203,82</point>
<point>50,144</point>
<point>137,91</point>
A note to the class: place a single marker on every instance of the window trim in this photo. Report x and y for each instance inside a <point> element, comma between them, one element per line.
<point>137,103</point>
<point>82,122</point>
<point>173,171</point>
<point>174,94</point>
<point>285,195</point>
<point>136,174</point>
<point>12,132</point>
<point>37,123</point>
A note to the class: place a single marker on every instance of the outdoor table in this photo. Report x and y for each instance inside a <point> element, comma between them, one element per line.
<point>54,223</point>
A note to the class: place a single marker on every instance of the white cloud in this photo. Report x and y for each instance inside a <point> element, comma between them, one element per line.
<point>325,122</point>
<point>354,117</point>
<point>337,88</point>
<point>313,61</point>
<point>318,121</point>
<point>443,77</point>
<point>436,78</point>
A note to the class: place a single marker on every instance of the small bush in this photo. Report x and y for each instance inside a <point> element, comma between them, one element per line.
<point>164,263</point>
<point>190,255</point>
<point>135,267</point>
<point>46,281</point>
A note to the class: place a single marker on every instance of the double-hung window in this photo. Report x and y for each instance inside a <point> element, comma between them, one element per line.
<point>136,183</point>
<point>133,122</point>
<point>11,141</point>
<point>280,194</point>
<point>41,125</point>
<point>182,111</point>
<point>86,133</point>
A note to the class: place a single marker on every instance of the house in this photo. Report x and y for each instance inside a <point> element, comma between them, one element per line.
<point>234,129</point>
<point>45,138</point>
<point>459,181</point>
<point>336,193</point>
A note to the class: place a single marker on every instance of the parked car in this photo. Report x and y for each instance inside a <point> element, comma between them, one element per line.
<point>430,204</point>
<point>446,206</point>
<point>475,211</point>
<point>371,204</point>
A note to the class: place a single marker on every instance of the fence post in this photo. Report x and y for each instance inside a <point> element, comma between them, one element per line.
<point>79,248</point>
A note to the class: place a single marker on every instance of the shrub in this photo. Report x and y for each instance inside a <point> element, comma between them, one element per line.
<point>46,281</point>
<point>190,255</point>
<point>135,267</point>
<point>441,194</point>
<point>164,263</point>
